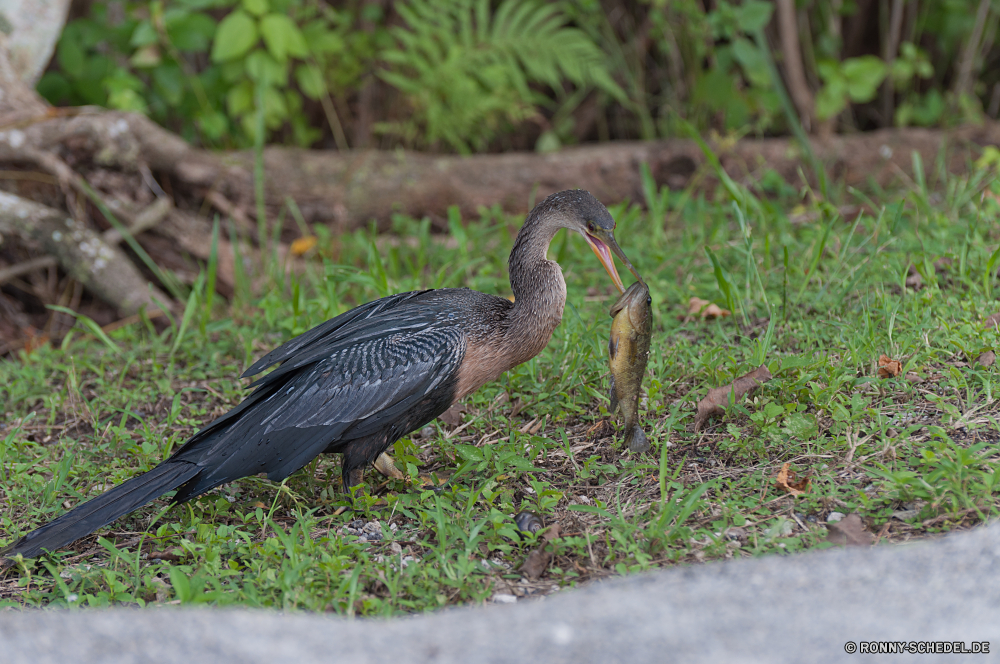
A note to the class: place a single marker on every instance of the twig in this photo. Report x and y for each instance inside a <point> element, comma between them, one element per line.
<point>889,55</point>
<point>15,271</point>
<point>223,204</point>
<point>145,220</point>
<point>968,61</point>
<point>104,269</point>
<point>150,216</point>
<point>798,88</point>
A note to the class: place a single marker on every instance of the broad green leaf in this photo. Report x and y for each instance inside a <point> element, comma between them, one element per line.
<point>282,37</point>
<point>831,99</point>
<point>190,32</point>
<point>264,69</point>
<point>469,452</point>
<point>213,123</point>
<point>752,61</point>
<point>828,69</point>
<point>239,99</point>
<point>237,33</point>
<point>146,57</point>
<point>256,7</point>
<point>144,34</point>
<point>275,107</point>
<point>863,76</point>
<point>754,15</point>
<point>169,81</point>
<point>310,80</point>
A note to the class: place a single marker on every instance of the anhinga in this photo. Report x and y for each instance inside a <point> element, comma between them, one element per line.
<point>358,382</point>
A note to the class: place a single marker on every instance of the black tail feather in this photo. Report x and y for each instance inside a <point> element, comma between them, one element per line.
<point>93,514</point>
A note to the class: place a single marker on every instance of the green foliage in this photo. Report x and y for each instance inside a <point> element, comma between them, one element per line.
<point>466,71</point>
<point>470,75</point>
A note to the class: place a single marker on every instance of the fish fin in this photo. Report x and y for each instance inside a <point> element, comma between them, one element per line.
<point>613,397</point>
<point>637,440</point>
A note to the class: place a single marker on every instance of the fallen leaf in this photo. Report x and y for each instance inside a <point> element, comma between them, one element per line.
<point>943,264</point>
<point>536,563</point>
<point>302,245</point>
<point>539,559</point>
<point>699,308</point>
<point>913,377</point>
<point>992,320</point>
<point>602,429</point>
<point>718,397</point>
<point>849,531</point>
<point>987,359</point>
<point>169,556</point>
<point>517,407</point>
<point>534,426</point>
<point>551,533</point>
<point>786,481</point>
<point>888,368</point>
<point>913,278</point>
<point>453,416</point>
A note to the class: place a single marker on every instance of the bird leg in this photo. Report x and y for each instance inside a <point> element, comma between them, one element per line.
<point>386,465</point>
<point>355,478</point>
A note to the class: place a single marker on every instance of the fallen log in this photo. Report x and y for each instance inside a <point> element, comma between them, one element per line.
<point>349,189</point>
<point>100,266</point>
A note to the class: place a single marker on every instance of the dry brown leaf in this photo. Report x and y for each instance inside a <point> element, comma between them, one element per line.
<point>534,426</point>
<point>453,416</point>
<point>536,563</point>
<point>987,359</point>
<point>699,308</point>
<point>717,399</point>
<point>517,407</point>
<point>888,368</point>
<point>603,429</point>
<point>539,559</point>
<point>992,320</point>
<point>302,245</point>
<point>913,377</point>
<point>786,481</point>
<point>849,531</point>
<point>913,278</point>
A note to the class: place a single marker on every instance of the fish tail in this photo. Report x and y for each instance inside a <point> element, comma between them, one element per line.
<point>636,439</point>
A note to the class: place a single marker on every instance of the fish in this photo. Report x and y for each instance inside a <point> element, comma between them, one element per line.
<point>628,352</point>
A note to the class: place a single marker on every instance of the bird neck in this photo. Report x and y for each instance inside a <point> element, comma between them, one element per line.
<point>538,286</point>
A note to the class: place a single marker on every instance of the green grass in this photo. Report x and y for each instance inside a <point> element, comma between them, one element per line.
<point>914,456</point>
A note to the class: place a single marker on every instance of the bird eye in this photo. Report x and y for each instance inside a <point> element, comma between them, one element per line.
<point>649,300</point>
<point>590,226</point>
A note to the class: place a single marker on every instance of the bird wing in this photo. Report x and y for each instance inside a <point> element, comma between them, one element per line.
<point>332,329</point>
<point>394,373</point>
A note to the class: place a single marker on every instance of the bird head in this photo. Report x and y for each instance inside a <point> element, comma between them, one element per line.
<point>598,227</point>
<point>577,210</point>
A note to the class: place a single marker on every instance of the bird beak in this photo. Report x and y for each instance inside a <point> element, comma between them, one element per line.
<point>603,243</point>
